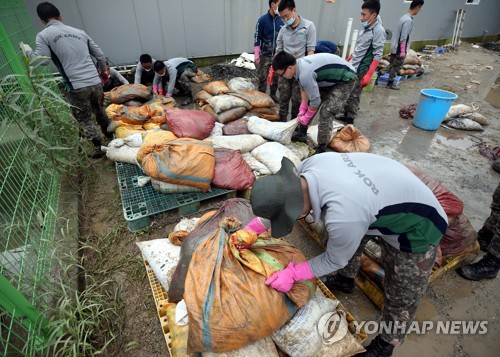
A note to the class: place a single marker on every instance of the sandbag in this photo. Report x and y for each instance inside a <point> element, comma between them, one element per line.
<point>262,348</point>
<point>280,132</point>
<point>349,139</point>
<point>151,126</point>
<point>122,153</point>
<point>216,88</point>
<point>182,161</point>
<point>243,143</point>
<point>373,270</point>
<point>126,92</point>
<point>409,66</point>
<point>269,113</point>
<point>478,118</point>
<point>167,188</point>
<point>112,110</point>
<point>412,60</point>
<point>185,123</point>
<point>163,257</point>
<point>312,132</point>
<point>134,103</point>
<point>202,97</point>
<point>257,167</point>
<point>125,131</point>
<point>178,334</point>
<point>218,130</point>
<point>409,72</point>
<point>464,124</point>
<point>237,127</point>
<point>135,140</point>
<point>134,115</point>
<point>254,97</point>
<point>224,102</point>
<point>225,290</point>
<point>231,115</point>
<point>231,171</point>
<point>154,141</point>
<point>240,83</point>
<point>452,205</point>
<point>301,150</point>
<point>271,153</point>
<point>457,110</point>
<point>459,236</point>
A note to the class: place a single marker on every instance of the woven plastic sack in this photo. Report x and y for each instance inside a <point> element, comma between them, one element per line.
<point>243,143</point>
<point>237,127</point>
<point>166,187</point>
<point>270,154</point>
<point>269,113</point>
<point>154,141</point>
<point>231,115</point>
<point>458,110</point>
<point>125,131</point>
<point>126,92</point>
<point>231,171</point>
<point>113,110</point>
<point>178,334</point>
<point>301,150</point>
<point>240,83</point>
<point>279,131</point>
<point>464,124</point>
<point>222,103</point>
<point>257,167</point>
<point>217,130</point>
<point>134,115</point>
<point>254,97</point>
<point>478,118</point>
<point>195,124</point>
<point>202,96</point>
<point>349,139</point>
<point>123,153</point>
<point>216,88</point>
<point>459,236</point>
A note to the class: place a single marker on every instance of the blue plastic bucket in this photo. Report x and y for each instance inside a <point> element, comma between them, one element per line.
<point>432,108</point>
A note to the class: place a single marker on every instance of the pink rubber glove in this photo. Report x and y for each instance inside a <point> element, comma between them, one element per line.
<point>257,225</point>
<point>303,109</point>
<point>402,54</point>
<point>306,118</point>
<point>283,280</point>
<point>155,88</point>
<point>168,95</point>
<point>368,76</point>
<point>256,53</point>
<point>160,91</point>
<point>270,77</point>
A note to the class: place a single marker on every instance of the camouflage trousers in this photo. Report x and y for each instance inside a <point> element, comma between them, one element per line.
<point>288,89</point>
<point>406,280</point>
<point>182,82</point>
<point>492,224</point>
<point>263,71</point>
<point>334,100</point>
<point>352,104</point>
<point>396,63</point>
<point>85,102</point>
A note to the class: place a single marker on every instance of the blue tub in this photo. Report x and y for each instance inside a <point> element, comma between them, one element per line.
<point>432,108</point>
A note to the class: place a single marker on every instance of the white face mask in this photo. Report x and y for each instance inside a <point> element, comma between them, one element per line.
<point>147,70</point>
<point>162,75</point>
<point>276,12</point>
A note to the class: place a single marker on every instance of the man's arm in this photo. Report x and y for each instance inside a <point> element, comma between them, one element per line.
<point>259,27</point>
<point>115,74</point>
<point>279,40</point>
<point>41,50</point>
<point>96,52</point>
<point>311,39</point>
<point>378,44</point>
<point>138,73</point>
<point>172,73</point>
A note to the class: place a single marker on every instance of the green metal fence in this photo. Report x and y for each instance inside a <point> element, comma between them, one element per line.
<point>28,203</point>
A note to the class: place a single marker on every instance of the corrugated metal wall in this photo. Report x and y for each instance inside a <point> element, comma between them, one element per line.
<point>198,28</point>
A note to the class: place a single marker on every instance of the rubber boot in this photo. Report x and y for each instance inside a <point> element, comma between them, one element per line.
<point>391,85</point>
<point>484,237</point>
<point>340,283</point>
<point>98,152</point>
<point>378,348</point>
<point>486,268</point>
<point>300,133</point>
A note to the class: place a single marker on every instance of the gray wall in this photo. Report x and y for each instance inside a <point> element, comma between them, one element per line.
<point>197,28</point>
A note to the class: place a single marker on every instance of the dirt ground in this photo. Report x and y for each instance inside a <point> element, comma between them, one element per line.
<point>450,156</point>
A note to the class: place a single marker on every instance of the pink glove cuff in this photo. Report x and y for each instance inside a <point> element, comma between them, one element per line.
<point>256,225</point>
<point>256,51</point>
<point>303,108</point>
<point>168,95</point>
<point>306,118</point>
<point>155,88</point>
<point>302,271</point>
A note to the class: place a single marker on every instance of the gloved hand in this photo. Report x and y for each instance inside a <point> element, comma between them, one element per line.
<point>155,88</point>
<point>256,226</point>
<point>402,54</point>
<point>104,76</point>
<point>168,95</point>
<point>25,48</point>
<point>283,280</point>
<point>368,76</point>
<point>306,118</point>
<point>270,77</point>
<point>256,53</point>
<point>160,91</point>
<point>303,109</point>
<point>349,58</point>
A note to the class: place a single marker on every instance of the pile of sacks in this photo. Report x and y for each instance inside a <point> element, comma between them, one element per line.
<point>465,117</point>
<point>411,65</point>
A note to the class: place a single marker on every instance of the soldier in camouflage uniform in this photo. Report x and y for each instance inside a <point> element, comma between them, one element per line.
<point>356,195</point>
<point>489,240</point>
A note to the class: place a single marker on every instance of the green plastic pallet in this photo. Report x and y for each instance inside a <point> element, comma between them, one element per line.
<point>140,204</point>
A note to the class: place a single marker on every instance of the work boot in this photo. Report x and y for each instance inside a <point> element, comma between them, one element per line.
<point>274,97</point>
<point>98,153</point>
<point>300,133</point>
<point>484,237</point>
<point>340,283</point>
<point>189,100</point>
<point>486,268</point>
<point>391,85</point>
<point>320,149</point>
<point>496,165</point>
<point>378,348</point>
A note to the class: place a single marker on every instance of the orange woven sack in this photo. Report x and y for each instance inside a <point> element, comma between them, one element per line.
<point>254,97</point>
<point>217,87</point>
<point>349,139</point>
<point>126,92</point>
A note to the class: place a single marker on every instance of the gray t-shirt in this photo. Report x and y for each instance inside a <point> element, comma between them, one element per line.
<point>297,41</point>
<point>402,34</point>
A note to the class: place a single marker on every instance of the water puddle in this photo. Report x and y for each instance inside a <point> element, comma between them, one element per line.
<point>493,96</point>
<point>456,141</point>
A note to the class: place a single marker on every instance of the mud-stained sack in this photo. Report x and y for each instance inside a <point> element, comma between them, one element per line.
<point>237,127</point>
<point>231,115</point>
<point>349,139</point>
<point>459,109</point>
<point>279,131</point>
<point>478,118</point>
<point>167,188</point>
<point>216,88</point>
<point>264,347</point>
<point>269,113</point>
<point>243,143</point>
<point>178,334</point>
<point>121,153</point>
<point>231,170</point>
<point>240,83</point>
<point>202,96</point>
<point>257,167</point>
<point>126,92</point>
<point>183,161</point>
<point>134,115</point>
<point>218,130</point>
<point>464,124</point>
<point>113,110</point>
<point>154,141</point>
<point>459,236</point>
<point>221,103</point>
<point>254,97</point>
<point>195,124</point>
<point>225,290</point>
<point>270,154</point>
<point>301,150</point>
<point>124,131</point>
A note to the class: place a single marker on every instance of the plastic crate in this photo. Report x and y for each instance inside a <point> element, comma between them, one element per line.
<point>383,79</point>
<point>140,204</point>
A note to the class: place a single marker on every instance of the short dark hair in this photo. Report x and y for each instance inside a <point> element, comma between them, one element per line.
<point>286,4</point>
<point>416,3</point>
<point>372,5</point>
<point>272,2</point>
<point>282,60</point>
<point>46,10</point>
<point>158,65</point>
<point>145,58</point>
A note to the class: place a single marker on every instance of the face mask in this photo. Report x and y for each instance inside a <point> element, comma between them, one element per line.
<point>147,70</point>
<point>276,12</point>
<point>290,21</point>
<point>365,24</point>
<point>162,75</point>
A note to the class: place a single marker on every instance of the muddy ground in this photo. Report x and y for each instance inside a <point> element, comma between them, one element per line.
<point>449,155</point>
